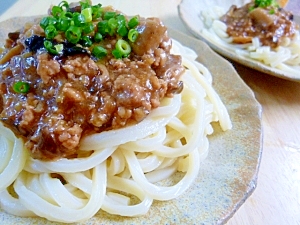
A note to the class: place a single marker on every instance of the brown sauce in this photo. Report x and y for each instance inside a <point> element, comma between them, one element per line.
<point>73,96</point>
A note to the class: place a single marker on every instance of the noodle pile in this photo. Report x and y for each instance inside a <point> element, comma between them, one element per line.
<point>116,165</point>
<point>286,57</point>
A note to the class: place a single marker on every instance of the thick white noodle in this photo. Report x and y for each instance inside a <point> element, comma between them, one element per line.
<point>285,57</point>
<point>12,157</point>
<point>132,164</point>
<point>55,211</point>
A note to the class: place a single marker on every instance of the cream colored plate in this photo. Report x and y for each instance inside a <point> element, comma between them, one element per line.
<point>189,12</point>
<point>229,174</point>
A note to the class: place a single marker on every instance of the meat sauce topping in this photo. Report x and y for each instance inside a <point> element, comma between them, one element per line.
<point>73,94</point>
<point>270,23</point>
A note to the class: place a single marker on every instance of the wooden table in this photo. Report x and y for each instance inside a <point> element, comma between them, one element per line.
<point>276,200</point>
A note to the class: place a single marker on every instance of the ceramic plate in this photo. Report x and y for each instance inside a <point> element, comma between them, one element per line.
<point>228,175</point>
<point>189,11</point>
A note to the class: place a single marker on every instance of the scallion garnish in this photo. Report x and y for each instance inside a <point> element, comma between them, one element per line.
<point>122,31</point>
<point>79,19</point>
<point>64,5</point>
<point>86,41</point>
<point>132,35</point>
<point>123,49</point>
<point>87,13</point>
<point>50,32</point>
<point>108,15</point>
<point>56,11</point>
<point>133,22</point>
<point>99,52</point>
<point>63,23</point>
<point>73,34</point>
<point>21,87</point>
<point>89,26</point>
<point>98,37</point>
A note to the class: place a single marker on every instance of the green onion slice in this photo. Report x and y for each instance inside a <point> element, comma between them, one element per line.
<point>133,22</point>
<point>64,5</point>
<point>86,41</point>
<point>73,34</point>
<point>50,32</point>
<point>108,15</point>
<point>63,23</point>
<point>133,35</point>
<point>98,37</point>
<point>87,13</point>
<point>123,47</point>
<point>56,11</point>
<point>99,52</point>
<point>78,19</point>
<point>21,87</point>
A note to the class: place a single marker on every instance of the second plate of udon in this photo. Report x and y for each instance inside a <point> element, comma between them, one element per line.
<point>229,173</point>
<point>196,15</point>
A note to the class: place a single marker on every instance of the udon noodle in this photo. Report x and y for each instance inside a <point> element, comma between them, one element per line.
<point>118,164</point>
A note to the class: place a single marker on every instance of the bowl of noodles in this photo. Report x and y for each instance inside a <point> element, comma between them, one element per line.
<point>254,42</point>
<point>189,156</point>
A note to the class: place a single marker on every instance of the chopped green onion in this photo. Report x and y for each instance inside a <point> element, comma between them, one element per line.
<point>112,23</point>
<point>59,48</point>
<point>122,30</point>
<point>47,21</point>
<point>98,37</point>
<point>50,48</point>
<point>63,23</point>
<point>99,52</point>
<point>117,54</point>
<point>78,19</point>
<point>103,27</point>
<point>109,15</point>
<point>64,5</point>
<point>133,35</point>
<point>112,26</point>
<point>88,28</point>
<point>56,11</point>
<point>121,20</point>
<point>85,4</point>
<point>50,32</point>
<point>96,11</point>
<point>86,41</point>
<point>68,15</point>
<point>265,3</point>
<point>21,87</point>
<point>73,34</point>
<point>87,13</point>
<point>123,47</point>
<point>133,22</point>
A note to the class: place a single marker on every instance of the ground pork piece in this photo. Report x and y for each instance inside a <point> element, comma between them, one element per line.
<point>33,109</point>
<point>71,94</point>
<point>81,66</point>
<point>28,116</point>
<point>69,136</point>
<point>47,67</point>
<point>105,112</point>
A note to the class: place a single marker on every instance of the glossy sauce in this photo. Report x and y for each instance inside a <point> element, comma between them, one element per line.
<point>74,95</point>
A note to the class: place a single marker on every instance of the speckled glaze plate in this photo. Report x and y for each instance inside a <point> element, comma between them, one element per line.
<point>189,12</point>
<point>229,174</point>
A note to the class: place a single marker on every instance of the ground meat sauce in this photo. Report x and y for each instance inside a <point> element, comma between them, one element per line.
<point>269,24</point>
<point>75,95</point>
